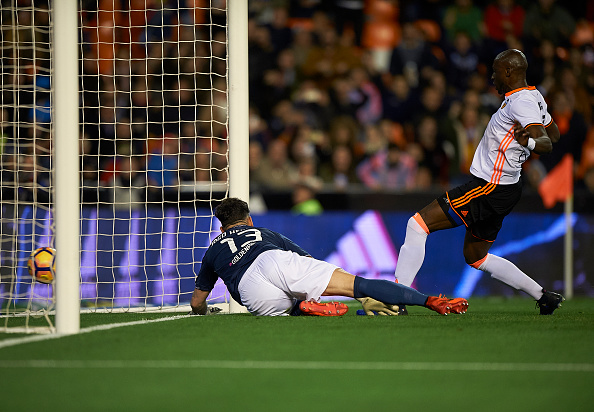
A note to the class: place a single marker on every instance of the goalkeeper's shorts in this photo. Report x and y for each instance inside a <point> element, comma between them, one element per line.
<point>277,279</point>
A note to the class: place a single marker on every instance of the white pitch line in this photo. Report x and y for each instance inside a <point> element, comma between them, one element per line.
<point>37,338</point>
<point>296,365</point>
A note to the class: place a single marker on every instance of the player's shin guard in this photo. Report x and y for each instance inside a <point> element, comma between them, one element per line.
<point>412,252</point>
<point>388,292</point>
<point>505,271</point>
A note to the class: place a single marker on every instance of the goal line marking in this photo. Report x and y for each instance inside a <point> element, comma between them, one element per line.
<point>297,365</point>
<point>37,338</point>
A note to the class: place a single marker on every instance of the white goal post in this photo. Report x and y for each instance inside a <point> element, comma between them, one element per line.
<point>67,187</point>
<point>148,131</point>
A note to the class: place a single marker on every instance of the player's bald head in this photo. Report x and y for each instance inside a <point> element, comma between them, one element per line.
<point>513,59</point>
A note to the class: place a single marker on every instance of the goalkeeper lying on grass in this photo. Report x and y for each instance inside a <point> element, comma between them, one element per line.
<point>272,276</point>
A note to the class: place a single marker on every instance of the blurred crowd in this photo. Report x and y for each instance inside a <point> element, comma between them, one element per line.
<point>383,95</point>
<point>395,95</point>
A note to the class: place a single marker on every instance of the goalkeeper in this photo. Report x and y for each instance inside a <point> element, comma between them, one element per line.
<point>272,276</point>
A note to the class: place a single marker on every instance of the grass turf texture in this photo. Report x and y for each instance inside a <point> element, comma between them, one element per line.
<point>313,362</point>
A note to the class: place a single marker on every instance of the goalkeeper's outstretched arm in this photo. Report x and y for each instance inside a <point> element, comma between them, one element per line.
<point>198,302</point>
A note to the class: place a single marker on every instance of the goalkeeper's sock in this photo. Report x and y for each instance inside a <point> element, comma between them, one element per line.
<point>388,292</point>
<point>412,252</point>
<point>505,271</point>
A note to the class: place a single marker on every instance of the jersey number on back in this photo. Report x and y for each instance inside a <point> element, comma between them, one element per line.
<point>255,233</point>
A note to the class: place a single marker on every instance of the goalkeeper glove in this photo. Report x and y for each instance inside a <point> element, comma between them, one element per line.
<point>374,307</point>
<point>210,310</point>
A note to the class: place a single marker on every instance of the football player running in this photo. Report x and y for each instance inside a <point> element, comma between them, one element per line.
<point>522,125</point>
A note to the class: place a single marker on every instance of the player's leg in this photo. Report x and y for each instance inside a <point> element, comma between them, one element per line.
<point>412,253</point>
<point>292,284</point>
<point>484,213</point>
<point>476,255</point>
<point>259,291</point>
<point>505,271</point>
<point>262,298</point>
<point>345,284</point>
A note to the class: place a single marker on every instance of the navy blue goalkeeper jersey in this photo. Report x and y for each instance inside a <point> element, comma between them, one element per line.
<point>232,252</point>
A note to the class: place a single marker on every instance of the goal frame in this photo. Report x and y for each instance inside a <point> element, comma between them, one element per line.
<point>66,132</point>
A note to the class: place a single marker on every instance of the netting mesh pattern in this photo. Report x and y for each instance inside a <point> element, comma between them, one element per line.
<point>26,174</point>
<point>153,146</point>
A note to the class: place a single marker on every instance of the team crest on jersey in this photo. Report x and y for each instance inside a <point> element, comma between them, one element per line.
<point>504,104</point>
<point>464,213</point>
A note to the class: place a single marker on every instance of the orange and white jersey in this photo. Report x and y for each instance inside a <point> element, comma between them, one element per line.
<point>498,158</point>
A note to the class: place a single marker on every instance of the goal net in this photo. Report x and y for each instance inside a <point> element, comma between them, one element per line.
<point>153,143</point>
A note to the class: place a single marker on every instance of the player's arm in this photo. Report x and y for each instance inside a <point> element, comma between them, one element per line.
<point>198,302</point>
<point>553,131</point>
<point>205,281</point>
<point>534,137</point>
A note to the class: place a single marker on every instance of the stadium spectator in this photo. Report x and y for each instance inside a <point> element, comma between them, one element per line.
<point>128,185</point>
<point>304,197</point>
<point>463,60</point>
<point>572,128</point>
<point>162,166</point>
<point>469,126</point>
<point>258,128</point>
<point>503,18</point>
<point>281,35</point>
<point>568,84</point>
<point>346,100</point>
<point>545,61</point>
<point>548,20</point>
<point>373,140</point>
<point>339,172</point>
<point>330,59</point>
<point>260,50</point>
<point>436,108</point>
<point>434,156</point>
<point>399,101</point>
<point>276,170</point>
<point>389,169</point>
<point>303,145</point>
<point>256,154</point>
<point>412,55</point>
<point>344,131</point>
<point>302,44</point>
<point>464,16</point>
<point>315,103</point>
<point>348,14</point>
<point>272,276</point>
<point>371,110</point>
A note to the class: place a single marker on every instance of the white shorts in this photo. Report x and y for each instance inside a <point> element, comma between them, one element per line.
<point>278,278</point>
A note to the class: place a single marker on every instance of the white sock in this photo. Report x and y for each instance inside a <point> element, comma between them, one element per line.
<point>505,271</point>
<point>412,252</point>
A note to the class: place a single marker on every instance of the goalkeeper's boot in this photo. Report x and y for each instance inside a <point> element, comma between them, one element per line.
<point>549,302</point>
<point>458,305</point>
<point>313,308</point>
<point>440,304</point>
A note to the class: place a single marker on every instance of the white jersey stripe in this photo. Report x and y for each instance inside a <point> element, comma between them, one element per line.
<point>498,169</point>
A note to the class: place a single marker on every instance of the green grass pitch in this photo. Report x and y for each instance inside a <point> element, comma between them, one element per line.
<point>500,356</point>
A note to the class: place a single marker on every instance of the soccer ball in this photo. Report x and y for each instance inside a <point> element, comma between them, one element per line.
<point>42,264</point>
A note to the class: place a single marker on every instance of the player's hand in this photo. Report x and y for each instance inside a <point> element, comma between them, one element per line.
<point>520,134</point>
<point>210,310</point>
<point>373,307</point>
